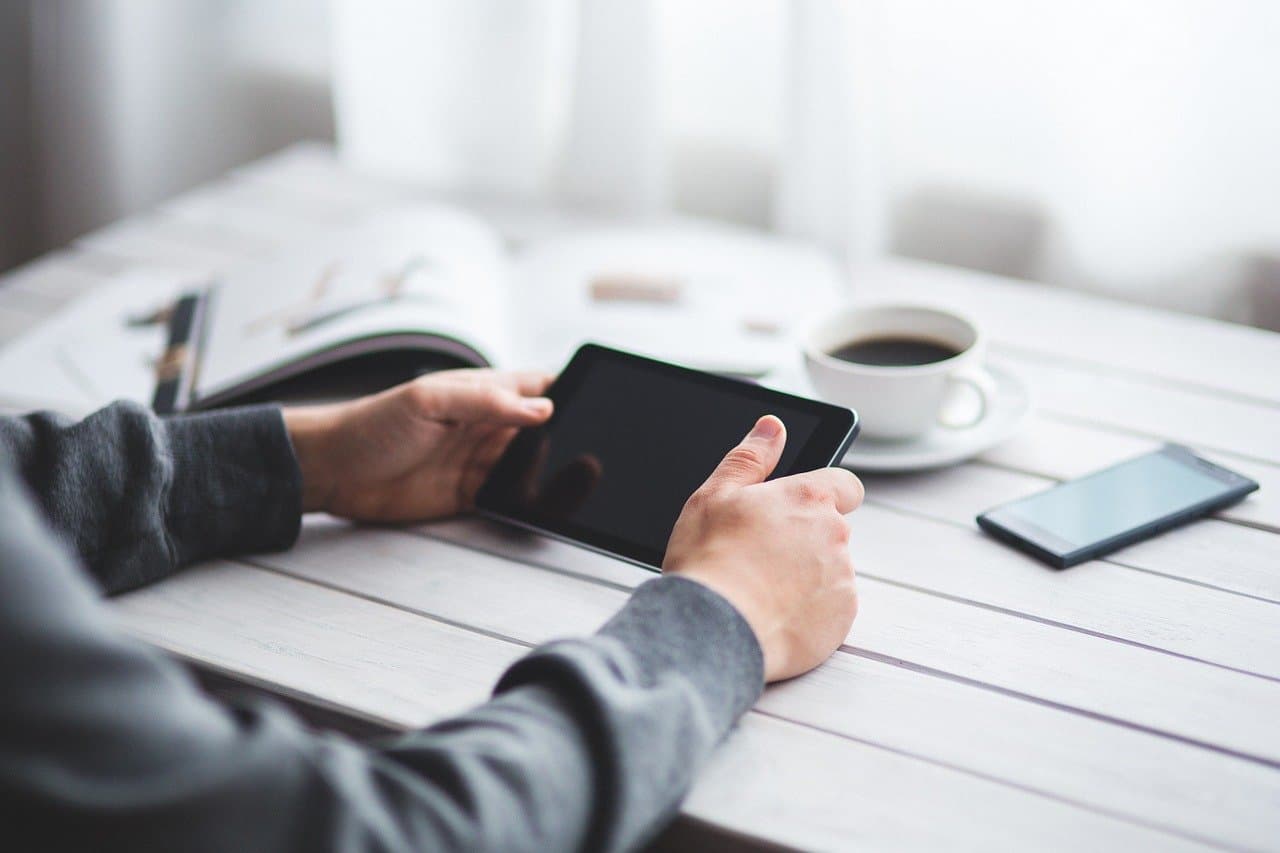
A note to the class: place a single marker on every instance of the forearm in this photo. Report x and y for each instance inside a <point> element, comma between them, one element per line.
<point>589,744</point>
<point>136,496</point>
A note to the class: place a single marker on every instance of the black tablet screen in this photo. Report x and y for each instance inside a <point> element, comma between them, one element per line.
<point>631,439</point>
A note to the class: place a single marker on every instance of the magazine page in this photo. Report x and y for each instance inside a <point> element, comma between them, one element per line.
<point>422,275</point>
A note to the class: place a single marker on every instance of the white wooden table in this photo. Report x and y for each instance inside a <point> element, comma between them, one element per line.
<point>981,701</point>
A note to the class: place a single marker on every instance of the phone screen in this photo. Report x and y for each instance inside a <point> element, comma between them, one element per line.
<point>1129,497</point>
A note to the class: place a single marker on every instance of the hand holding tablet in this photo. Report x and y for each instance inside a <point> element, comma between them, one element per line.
<point>632,438</point>
<point>778,551</point>
<point>721,482</point>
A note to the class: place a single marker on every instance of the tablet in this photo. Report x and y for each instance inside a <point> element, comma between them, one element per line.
<point>631,438</point>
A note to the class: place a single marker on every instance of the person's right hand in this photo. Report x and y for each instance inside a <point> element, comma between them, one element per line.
<point>777,551</point>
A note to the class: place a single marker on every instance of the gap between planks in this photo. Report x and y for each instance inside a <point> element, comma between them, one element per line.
<point>264,563</point>
<point>795,760</point>
<point>1209,645</point>
<point>381,599</point>
<point>1209,552</point>
<point>1247,690</point>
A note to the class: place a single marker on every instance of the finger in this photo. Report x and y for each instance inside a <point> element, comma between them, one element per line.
<point>481,403</point>
<point>835,485</point>
<point>530,383</point>
<point>753,459</point>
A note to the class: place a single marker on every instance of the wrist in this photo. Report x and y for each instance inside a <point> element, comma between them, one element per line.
<point>676,627</point>
<point>310,430</point>
<point>743,600</point>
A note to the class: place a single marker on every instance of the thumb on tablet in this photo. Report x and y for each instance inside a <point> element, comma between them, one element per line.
<point>753,459</point>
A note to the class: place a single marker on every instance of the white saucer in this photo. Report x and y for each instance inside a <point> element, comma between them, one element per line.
<point>944,445</point>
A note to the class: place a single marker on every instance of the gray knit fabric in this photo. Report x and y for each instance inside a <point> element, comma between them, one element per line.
<point>106,745</point>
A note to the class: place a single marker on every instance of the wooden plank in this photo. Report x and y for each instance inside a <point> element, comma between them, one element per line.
<point>1201,623</point>
<point>51,277</point>
<point>1122,681</point>
<point>812,791</point>
<point>510,543</point>
<point>148,240</point>
<point>28,381</point>
<point>1224,555</point>
<point>895,707</point>
<point>1105,767</point>
<point>236,244</point>
<point>250,212</point>
<point>395,668</point>
<point>1134,607</point>
<point>1227,556</point>
<point>25,302</point>
<point>453,583</point>
<point>1103,334</point>
<point>317,644</point>
<point>98,263</point>
<point>335,191</point>
<point>14,322</point>
<point>1186,416</point>
<point>314,171</point>
<point>154,229</point>
<point>1129,684</point>
<point>22,298</point>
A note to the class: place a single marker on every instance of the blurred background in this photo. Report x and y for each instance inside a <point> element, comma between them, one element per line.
<point>1120,148</point>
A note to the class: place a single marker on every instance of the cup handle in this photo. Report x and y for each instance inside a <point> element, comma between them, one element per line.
<point>982,384</point>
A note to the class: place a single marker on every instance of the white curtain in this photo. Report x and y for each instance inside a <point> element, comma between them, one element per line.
<point>1126,148</point>
<point>135,100</point>
<point>748,109</point>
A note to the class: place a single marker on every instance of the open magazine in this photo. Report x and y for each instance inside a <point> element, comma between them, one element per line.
<point>402,293</point>
<point>418,288</point>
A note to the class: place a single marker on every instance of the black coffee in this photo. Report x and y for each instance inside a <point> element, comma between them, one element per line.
<point>894,351</point>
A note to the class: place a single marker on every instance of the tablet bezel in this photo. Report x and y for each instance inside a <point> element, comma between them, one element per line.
<point>836,430</point>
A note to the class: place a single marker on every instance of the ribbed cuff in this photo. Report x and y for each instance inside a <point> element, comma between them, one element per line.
<point>672,629</point>
<point>675,625</point>
<point>236,484</point>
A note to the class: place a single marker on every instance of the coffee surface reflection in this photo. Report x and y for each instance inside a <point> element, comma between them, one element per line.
<point>894,351</point>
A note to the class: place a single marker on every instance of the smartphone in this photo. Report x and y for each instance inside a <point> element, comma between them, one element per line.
<point>1117,506</point>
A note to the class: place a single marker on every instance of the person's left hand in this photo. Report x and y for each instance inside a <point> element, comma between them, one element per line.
<point>418,451</point>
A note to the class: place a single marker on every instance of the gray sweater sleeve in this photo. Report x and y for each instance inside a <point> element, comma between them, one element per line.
<point>136,497</point>
<point>106,745</point>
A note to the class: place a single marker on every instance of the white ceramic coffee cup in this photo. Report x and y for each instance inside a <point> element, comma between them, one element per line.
<point>900,401</point>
